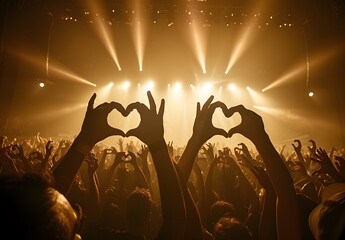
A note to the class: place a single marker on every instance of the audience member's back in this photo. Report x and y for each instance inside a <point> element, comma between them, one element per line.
<point>31,209</point>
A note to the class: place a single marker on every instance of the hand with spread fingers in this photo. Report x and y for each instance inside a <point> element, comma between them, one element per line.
<point>251,125</point>
<point>150,129</point>
<point>203,128</point>
<point>253,128</point>
<point>326,164</point>
<point>95,127</point>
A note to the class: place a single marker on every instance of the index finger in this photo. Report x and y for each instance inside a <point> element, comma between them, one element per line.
<point>151,102</point>
<point>218,104</point>
<point>91,102</point>
<point>239,109</point>
<point>207,103</point>
<point>140,107</point>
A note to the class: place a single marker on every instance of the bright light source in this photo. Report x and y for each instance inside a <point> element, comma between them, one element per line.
<point>311,94</point>
<point>140,69</point>
<point>204,71</point>
<point>126,85</point>
<point>42,84</point>
<point>207,87</point>
<point>232,87</point>
<point>248,88</point>
<point>177,86</point>
<point>150,85</point>
<point>111,84</point>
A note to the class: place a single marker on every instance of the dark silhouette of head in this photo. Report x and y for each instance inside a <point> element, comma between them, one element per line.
<point>231,229</point>
<point>138,207</point>
<point>32,209</point>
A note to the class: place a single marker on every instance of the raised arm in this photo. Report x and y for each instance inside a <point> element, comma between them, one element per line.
<point>203,130</point>
<point>94,129</point>
<point>253,128</point>
<point>151,132</point>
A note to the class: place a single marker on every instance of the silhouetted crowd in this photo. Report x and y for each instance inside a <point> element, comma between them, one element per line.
<point>82,189</point>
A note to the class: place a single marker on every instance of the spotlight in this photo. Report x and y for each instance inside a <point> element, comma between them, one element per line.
<point>42,84</point>
<point>311,94</point>
<point>177,86</point>
<point>111,84</point>
<point>126,85</point>
<point>232,87</point>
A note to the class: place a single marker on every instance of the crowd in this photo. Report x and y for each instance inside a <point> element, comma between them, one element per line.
<point>82,189</point>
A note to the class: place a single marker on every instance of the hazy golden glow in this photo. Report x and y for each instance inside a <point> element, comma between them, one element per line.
<point>68,75</point>
<point>57,113</point>
<point>199,43</point>
<point>241,45</point>
<point>282,114</point>
<point>301,68</point>
<point>107,40</point>
<point>138,32</point>
<point>103,31</point>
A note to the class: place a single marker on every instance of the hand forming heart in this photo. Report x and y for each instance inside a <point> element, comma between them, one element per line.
<point>150,129</point>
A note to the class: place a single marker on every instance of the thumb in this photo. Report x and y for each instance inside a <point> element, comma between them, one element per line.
<point>115,131</point>
<point>232,131</point>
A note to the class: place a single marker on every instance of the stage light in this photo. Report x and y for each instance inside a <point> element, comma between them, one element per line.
<point>42,84</point>
<point>126,85</point>
<point>111,84</point>
<point>207,87</point>
<point>149,85</point>
<point>311,94</point>
<point>177,86</point>
<point>199,44</point>
<point>232,87</point>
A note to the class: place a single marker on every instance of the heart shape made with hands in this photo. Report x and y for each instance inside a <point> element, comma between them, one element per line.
<point>127,120</point>
<point>127,158</point>
<point>220,120</point>
<point>123,120</point>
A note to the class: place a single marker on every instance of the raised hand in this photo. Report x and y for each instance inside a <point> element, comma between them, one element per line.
<point>244,161</point>
<point>120,143</point>
<point>143,155</point>
<point>111,150</point>
<point>49,149</point>
<point>36,156</point>
<point>326,164</point>
<point>251,125</point>
<point>95,126</point>
<point>313,147</point>
<point>150,129</point>
<point>340,163</point>
<point>203,128</point>
<point>297,147</point>
<point>171,149</point>
<point>208,150</point>
<point>144,152</point>
<point>92,163</point>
